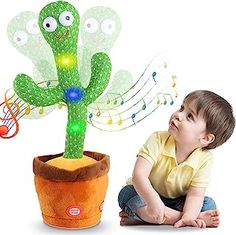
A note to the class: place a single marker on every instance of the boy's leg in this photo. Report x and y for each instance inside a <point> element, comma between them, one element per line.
<point>129,201</point>
<point>135,209</point>
<point>208,204</point>
<point>208,213</point>
<point>174,215</point>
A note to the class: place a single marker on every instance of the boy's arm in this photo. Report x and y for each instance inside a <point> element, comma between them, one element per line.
<point>145,190</point>
<point>192,206</point>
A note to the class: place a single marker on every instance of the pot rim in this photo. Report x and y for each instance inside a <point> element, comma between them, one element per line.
<point>98,169</point>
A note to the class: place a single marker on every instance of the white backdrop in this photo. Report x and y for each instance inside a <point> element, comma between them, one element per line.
<point>200,37</point>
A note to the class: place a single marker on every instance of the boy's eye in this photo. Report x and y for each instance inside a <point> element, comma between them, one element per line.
<point>190,116</point>
<point>181,108</point>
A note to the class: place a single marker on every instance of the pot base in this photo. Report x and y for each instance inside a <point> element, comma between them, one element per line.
<point>57,227</point>
<point>76,201</point>
<point>72,224</point>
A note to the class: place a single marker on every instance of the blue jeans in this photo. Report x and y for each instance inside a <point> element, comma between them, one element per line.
<point>129,201</point>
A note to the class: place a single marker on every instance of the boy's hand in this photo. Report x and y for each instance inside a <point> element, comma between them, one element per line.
<point>199,223</point>
<point>157,212</point>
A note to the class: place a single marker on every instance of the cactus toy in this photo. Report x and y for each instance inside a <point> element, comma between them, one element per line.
<point>59,23</point>
<point>71,187</point>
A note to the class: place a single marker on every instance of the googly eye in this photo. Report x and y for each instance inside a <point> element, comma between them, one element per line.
<point>20,38</point>
<point>32,27</point>
<point>91,25</point>
<point>66,18</point>
<point>108,26</point>
<point>50,24</point>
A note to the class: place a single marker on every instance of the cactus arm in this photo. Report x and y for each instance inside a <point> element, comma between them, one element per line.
<point>32,94</point>
<point>100,75</point>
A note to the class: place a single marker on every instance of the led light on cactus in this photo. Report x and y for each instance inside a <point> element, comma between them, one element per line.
<point>66,61</point>
<point>75,127</point>
<point>74,94</point>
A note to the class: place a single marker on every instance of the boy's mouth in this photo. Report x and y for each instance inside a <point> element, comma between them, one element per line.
<point>172,124</point>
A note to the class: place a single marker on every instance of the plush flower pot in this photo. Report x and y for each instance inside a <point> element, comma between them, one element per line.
<point>71,198</point>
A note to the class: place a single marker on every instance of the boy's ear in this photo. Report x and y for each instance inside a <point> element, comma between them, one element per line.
<point>207,139</point>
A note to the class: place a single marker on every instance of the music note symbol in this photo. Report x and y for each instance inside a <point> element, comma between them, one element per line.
<point>158,100</point>
<point>90,117</point>
<point>153,76</point>
<point>122,100</point>
<point>119,97</point>
<point>41,111</point>
<point>110,119</point>
<point>60,105</point>
<point>176,95</point>
<point>120,121</point>
<point>27,110</point>
<point>108,99</point>
<point>174,83</point>
<point>165,101</point>
<point>170,97</point>
<point>165,96</point>
<point>133,117</point>
<point>98,113</point>
<point>48,83</point>
<point>144,105</point>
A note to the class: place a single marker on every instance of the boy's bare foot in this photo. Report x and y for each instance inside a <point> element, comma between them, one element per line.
<point>211,218</point>
<point>125,220</point>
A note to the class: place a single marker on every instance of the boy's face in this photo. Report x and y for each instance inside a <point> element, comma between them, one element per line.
<point>187,127</point>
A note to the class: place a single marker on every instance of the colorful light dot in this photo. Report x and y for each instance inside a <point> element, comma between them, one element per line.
<point>75,127</point>
<point>66,61</point>
<point>74,94</point>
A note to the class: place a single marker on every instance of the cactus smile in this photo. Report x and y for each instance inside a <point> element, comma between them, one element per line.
<point>62,36</point>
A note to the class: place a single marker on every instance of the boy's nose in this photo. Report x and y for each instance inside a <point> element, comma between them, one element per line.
<point>178,116</point>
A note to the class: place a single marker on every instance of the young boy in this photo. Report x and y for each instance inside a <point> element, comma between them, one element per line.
<point>173,168</point>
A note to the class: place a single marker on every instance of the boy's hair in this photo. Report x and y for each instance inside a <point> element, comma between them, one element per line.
<point>217,113</point>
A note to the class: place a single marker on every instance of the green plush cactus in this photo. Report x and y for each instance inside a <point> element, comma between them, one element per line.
<point>59,24</point>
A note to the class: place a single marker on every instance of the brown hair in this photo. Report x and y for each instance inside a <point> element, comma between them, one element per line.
<point>217,113</point>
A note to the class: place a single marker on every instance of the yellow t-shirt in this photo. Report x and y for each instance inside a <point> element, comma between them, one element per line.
<point>169,178</point>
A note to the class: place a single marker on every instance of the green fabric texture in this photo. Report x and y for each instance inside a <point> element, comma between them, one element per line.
<point>59,24</point>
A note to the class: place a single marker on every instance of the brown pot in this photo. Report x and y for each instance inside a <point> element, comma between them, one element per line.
<point>71,199</point>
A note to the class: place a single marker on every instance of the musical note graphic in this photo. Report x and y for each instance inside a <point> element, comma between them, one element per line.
<point>144,106</point>
<point>117,98</point>
<point>174,83</point>
<point>133,117</point>
<point>98,113</point>
<point>41,111</point>
<point>90,117</point>
<point>108,99</point>
<point>9,117</point>
<point>141,100</point>
<point>153,76</point>
<point>60,105</point>
<point>110,121</point>
<point>27,110</point>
